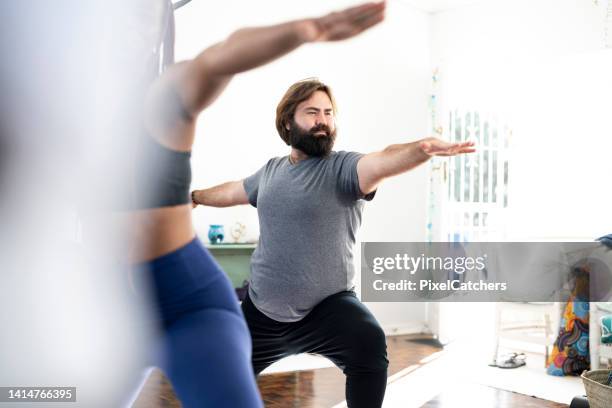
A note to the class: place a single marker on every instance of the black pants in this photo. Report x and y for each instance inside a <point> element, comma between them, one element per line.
<point>339,328</point>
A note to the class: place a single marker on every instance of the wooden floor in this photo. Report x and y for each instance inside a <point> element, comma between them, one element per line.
<point>323,388</point>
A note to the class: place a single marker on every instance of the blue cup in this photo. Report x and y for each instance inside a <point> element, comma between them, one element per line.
<point>215,234</point>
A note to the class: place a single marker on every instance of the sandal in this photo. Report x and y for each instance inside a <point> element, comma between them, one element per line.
<point>512,360</point>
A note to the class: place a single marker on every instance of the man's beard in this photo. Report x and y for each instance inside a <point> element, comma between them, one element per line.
<point>309,143</point>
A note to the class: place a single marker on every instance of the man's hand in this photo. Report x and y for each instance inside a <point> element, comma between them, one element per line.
<point>344,24</point>
<point>193,202</point>
<point>437,147</point>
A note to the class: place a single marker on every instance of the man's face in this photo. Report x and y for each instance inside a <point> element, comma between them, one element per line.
<point>313,128</point>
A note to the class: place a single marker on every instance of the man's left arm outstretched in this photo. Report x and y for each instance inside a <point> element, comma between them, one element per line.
<point>399,158</point>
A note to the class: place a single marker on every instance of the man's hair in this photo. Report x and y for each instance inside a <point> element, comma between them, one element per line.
<point>296,94</point>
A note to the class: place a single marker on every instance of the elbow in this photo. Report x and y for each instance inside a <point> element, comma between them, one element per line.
<point>219,60</point>
<point>207,62</point>
<point>370,184</point>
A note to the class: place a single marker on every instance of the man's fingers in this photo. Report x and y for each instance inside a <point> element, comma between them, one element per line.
<point>462,150</point>
<point>351,22</point>
<point>363,25</point>
<point>368,8</point>
<point>348,30</point>
<point>468,151</point>
<point>364,14</point>
<point>442,148</point>
<point>367,16</point>
<point>464,144</point>
<point>370,21</point>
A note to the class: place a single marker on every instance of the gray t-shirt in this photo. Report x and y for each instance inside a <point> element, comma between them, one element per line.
<point>309,213</point>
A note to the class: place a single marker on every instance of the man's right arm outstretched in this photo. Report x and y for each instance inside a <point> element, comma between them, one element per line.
<point>223,195</point>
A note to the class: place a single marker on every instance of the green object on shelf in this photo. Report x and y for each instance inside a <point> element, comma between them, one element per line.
<point>234,259</point>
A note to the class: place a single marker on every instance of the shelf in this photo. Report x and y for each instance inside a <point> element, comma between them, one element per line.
<point>234,259</point>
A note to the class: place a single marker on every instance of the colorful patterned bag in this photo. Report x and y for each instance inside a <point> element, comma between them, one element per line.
<point>570,355</point>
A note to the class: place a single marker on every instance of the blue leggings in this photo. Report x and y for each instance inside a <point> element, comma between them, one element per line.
<point>205,347</point>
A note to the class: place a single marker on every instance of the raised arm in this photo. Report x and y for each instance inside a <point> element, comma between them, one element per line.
<point>187,88</point>
<point>396,159</point>
<point>223,195</point>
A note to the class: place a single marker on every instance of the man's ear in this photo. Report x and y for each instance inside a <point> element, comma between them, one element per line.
<point>287,126</point>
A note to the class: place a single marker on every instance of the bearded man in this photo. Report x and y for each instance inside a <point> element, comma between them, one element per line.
<point>301,295</point>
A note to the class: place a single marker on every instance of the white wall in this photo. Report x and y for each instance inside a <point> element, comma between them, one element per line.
<point>515,28</point>
<point>541,65</point>
<point>381,82</point>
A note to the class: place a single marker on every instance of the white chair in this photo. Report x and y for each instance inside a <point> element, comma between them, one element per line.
<point>535,322</point>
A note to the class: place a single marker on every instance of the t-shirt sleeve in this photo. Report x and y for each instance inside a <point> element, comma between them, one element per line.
<point>348,179</point>
<point>251,186</point>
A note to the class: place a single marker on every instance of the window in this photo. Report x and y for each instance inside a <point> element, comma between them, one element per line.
<point>477,184</point>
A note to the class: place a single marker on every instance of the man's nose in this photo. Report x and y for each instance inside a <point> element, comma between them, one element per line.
<point>321,119</point>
